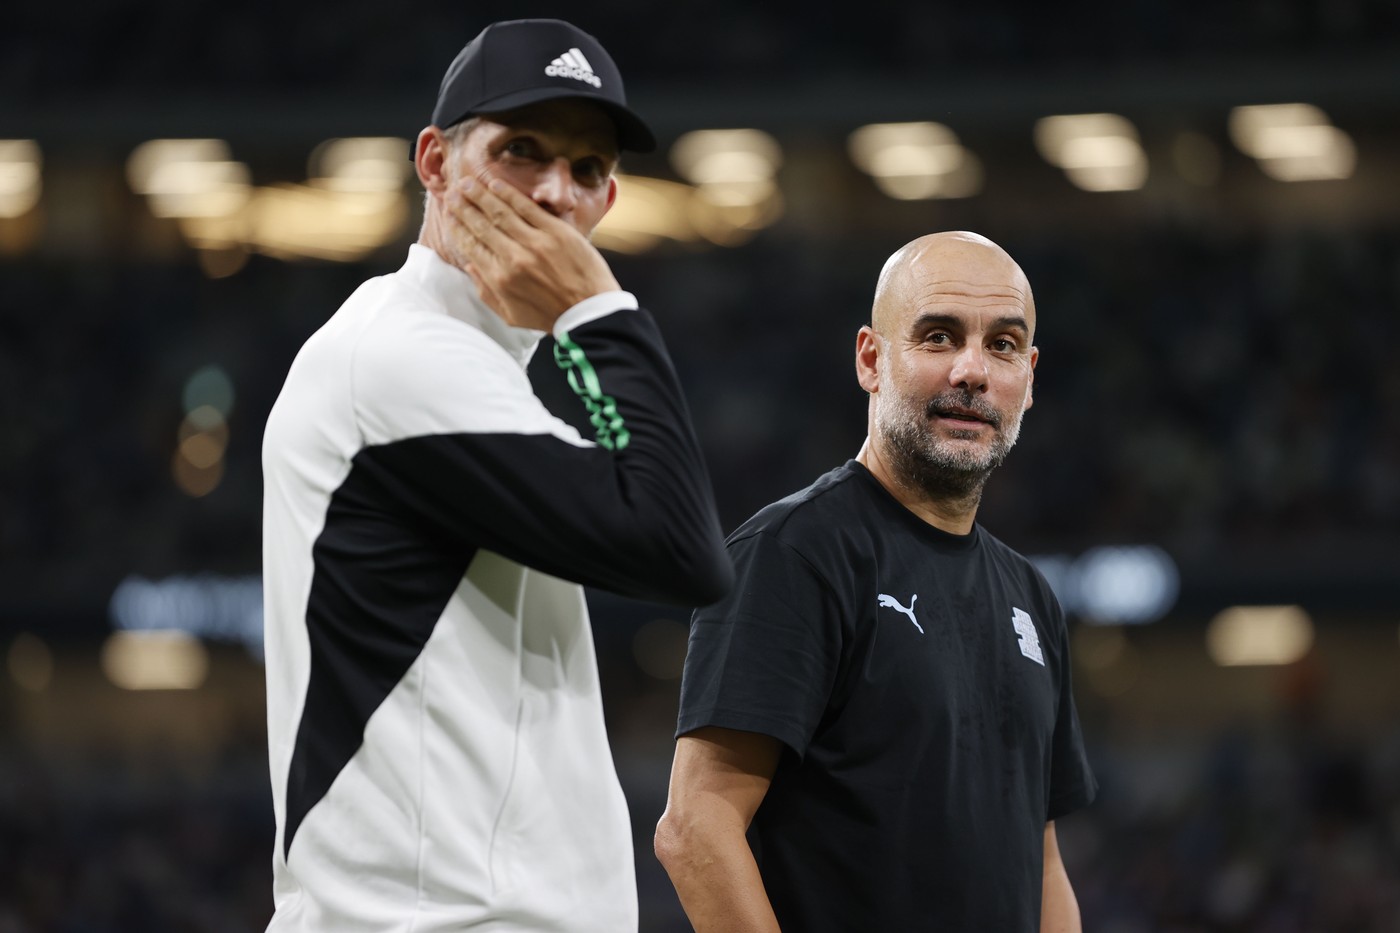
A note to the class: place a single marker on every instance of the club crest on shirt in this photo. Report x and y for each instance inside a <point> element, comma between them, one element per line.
<point>1027,635</point>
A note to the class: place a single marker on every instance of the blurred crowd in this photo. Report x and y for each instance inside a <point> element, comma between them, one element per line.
<point>1224,390</point>
<point>1205,392</point>
<point>1281,829</point>
<point>162,45</point>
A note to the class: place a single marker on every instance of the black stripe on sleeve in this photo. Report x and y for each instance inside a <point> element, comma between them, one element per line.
<point>377,590</point>
<point>634,514</point>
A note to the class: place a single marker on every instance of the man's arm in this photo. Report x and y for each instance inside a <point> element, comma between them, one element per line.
<point>718,779</point>
<point>457,440</point>
<point>1059,911</point>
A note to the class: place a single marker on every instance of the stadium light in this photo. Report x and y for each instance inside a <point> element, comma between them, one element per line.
<point>1114,584</point>
<point>1097,151</point>
<point>915,161</point>
<point>21,176</point>
<point>198,464</point>
<point>211,386</point>
<point>705,157</point>
<point>206,605</point>
<point>353,205</point>
<point>296,221</point>
<point>163,659</point>
<point>188,177</point>
<point>1293,142</point>
<point>647,211</point>
<point>731,168</point>
<point>360,163</point>
<point>1259,635</point>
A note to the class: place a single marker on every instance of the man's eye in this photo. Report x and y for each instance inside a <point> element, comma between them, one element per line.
<point>1003,345</point>
<point>590,170</point>
<point>520,148</point>
<point>938,337</point>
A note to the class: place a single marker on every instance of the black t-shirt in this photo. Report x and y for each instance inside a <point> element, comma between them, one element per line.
<point>920,682</point>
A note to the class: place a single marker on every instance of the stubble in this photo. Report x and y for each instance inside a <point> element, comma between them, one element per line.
<point>925,463</point>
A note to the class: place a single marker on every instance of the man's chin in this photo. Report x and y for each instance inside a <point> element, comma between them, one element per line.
<point>968,454</point>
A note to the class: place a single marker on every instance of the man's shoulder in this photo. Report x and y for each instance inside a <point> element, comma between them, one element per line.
<point>811,513</point>
<point>361,308</point>
<point>390,318</point>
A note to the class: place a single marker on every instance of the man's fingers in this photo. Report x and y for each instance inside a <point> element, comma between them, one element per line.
<point>482,239</point>
<point>473,220</point>
<point>508,209</point>
<point>471,239</point>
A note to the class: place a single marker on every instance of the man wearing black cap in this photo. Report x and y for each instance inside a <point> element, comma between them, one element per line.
<point>436,736</point>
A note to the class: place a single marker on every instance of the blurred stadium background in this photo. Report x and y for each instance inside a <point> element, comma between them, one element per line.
<point>1206,197</point>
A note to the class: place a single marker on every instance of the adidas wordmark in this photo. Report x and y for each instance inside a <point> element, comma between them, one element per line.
<point>572,64</point>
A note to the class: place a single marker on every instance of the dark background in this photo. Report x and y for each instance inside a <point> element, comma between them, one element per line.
<point>1218,379</point>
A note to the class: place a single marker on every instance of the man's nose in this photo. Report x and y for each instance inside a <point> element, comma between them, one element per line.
<point>970,368</point>
<point>554,188</point>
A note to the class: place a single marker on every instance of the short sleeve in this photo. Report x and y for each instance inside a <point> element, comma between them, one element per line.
<point>765,658</point>
<point>1072,783</point>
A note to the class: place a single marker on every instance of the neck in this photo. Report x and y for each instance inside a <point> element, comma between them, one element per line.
<point>432,237</point>
<point>954,513</point>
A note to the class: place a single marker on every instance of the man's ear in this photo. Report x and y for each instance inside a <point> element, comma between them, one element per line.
<point>868,359</point>
<point>1030,383</point>
<point>612,193</point>
<point>430,159</point>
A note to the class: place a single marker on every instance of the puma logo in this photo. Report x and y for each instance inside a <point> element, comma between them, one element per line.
<point>893,603</point>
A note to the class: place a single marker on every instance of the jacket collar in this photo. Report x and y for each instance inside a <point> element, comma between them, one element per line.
<point>453,290</point>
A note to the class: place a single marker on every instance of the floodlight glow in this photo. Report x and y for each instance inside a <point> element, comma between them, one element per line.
<point>163,659</point>
<point>209,385</point>
<point>188,177</point>
<point>302,220</point>
<point>915,161</point>
<point>707,157</point>
<point>1308,153</point>
<point>1248,125</point>
<point>221,608</point>
<point>1259,635</point>
<point>737,193</point>
<point>902,148</point>
<point>1098,151</point>
<point>360,163</point>
<point>647,211</point>
<point>1293,142</point>
<point>908,159</point>
<point>20,176</point>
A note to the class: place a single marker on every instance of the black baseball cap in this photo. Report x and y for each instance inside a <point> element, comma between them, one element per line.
<point>525,61</point>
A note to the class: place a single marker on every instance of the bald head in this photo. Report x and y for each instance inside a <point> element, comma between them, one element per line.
<point>939,268</point>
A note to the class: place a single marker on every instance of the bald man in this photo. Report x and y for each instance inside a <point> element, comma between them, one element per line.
<point>877,729</point>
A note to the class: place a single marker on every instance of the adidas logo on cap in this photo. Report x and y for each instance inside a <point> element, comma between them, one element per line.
<point>572,64</point>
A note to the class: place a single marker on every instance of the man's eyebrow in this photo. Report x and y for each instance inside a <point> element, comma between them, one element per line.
<point>600,143</point>
<point>934,319</point>
<point>953,322</point>
<point>1011,322</point>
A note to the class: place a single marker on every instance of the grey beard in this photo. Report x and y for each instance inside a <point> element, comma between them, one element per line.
<point>921,462</point>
